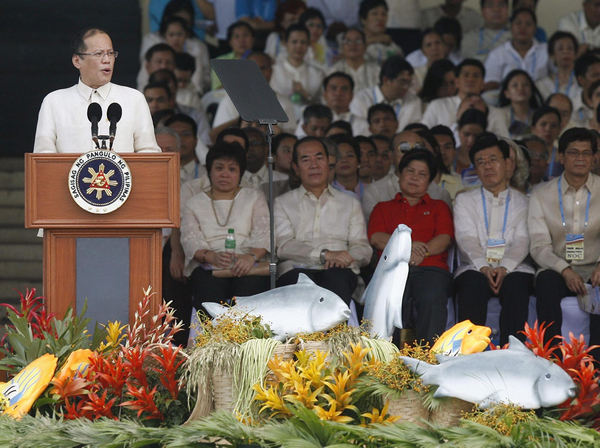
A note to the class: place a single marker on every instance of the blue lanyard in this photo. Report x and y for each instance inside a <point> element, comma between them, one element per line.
<point>522,64</point>
<point>562,211</point>
<point>551,170</point>
<point>569,84</point>
<point>512,117</point>
<point>492,43</point>
<point>505,213</point>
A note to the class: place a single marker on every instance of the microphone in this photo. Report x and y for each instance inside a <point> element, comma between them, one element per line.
<point>114,115</point>
<point>94,114</point>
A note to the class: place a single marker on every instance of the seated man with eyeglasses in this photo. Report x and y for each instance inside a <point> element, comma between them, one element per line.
<point>564,228</point>
<point>387,188</point>
<point>63,124</point>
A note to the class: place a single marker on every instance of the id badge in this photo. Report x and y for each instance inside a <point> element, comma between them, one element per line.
<point>495,251</point>
<point>575,247</point>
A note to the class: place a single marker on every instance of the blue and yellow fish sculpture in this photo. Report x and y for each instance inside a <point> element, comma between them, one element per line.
<point>463,338</point>
<point>18,395</point>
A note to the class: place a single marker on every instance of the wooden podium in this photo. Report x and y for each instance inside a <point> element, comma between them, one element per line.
<point>152,205</point>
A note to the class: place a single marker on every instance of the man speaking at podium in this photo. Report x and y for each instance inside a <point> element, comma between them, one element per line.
<point>64,122</point>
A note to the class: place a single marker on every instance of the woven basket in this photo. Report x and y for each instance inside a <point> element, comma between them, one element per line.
<point>313,346</point>
<point>409,407</point>
<point>285,351</point>
<point>450,412</point>
<point>223,391</point>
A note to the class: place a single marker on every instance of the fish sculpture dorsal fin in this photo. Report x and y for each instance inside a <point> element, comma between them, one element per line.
<point>443,358</point>
<point>304,279</point>
<point>515,345</point>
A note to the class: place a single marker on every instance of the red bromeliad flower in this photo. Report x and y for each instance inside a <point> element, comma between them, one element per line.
<point>109,373</point>
<point>34,310</point>
<point>134,363</point>
<point>586,377</point>
<point>573,352</point>
<point>167,369</point>
<point>76,410</point>
<point>99,407</point>
<point>536,336</point>
<point>144,402</point>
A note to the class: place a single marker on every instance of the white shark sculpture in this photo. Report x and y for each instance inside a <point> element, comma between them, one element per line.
<point>383,297</point>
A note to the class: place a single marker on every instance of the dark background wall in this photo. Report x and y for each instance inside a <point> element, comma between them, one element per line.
<point>35,57</point>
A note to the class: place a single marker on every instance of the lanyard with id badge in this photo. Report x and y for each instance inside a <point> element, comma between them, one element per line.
<point>495,248</point>
<point>574,246</point>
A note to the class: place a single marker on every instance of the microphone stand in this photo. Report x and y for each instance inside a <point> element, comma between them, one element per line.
<point>270,162</point>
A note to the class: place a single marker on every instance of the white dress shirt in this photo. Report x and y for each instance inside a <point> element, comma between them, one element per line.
<point>191,170</point>
<point>469,18</point>
<point>386,188</point>
<point>305,225</point>
<point>378,52</point>
<point>404,14</point>
<point>367,74</point>
<point>63,125</point>
<point>480,42</point>
<point>582,113</point>
<point>504,59</point>
<point>548,86</point>
<point>284,74</point>
<point>200,229</point>
<point>255,180</point>
<point>472,237</point>
<point>444,110</point>
<point>193,187</point>
<point>418,59</point>
<point>408,109</point>
<point>576,23</point>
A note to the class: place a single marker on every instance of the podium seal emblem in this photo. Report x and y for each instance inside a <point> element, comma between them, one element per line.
<point>100,181</point>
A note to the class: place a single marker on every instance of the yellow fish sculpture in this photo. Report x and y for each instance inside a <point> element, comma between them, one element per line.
<point>463,339</point>
<point>22,391</point>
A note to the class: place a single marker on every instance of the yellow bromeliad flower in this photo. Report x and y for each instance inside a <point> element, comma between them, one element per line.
<point>28,385</point>
<point>332,415</point>
<point>114,336</point>
<point>341,396</point>
<point>271,400</point>
<point>377,417</point>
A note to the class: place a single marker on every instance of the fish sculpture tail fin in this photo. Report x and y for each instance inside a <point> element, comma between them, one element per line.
<point>214,309</point>
<point>416,365</point>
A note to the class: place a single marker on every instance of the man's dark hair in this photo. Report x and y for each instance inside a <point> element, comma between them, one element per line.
<point>577,135</point>
<point>393,66</point>
<point>367,5</point>
<point>307,140</point>
<point>296,27</point>
<point>341,124</point>
<point>228,151</point>
<point>311,13</point>
<point>382,138</point>
<point>558,35</point>
<point>473,116</point>
<point>239,24</point>
<point>551,97</point>
<point>415,127</point>
<point>449,25</point>
<point>470,62</point>
<point>161,115</point>
<point>346,76</point>
<point>280,138</point>
<point>519,11</point>
<point>482,2</point>
<point>183,118</point>
<point>428,137</point>
<point>515,2</point>
<point>381,107</point>
<point>489,141</point>
<point>422,155</point>
<point>236,132</point>
<point>369,140</point>
<point>440,129</point>
<point>159,85</point>
<point>354,28</point>
<point>78,41</point>
<point>166,21</point>
<point>342,138</point>
<point>185,62</point>
<point>175,6</point>
<point>158,48</point>
<point>317,111</point>
<point>163,75</point>
<point>544,110</point>
<point>257,133</point>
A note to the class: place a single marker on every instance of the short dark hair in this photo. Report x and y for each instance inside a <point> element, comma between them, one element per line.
<point>162,75</point>
<point>354,28</point>
<point>311,13</point>
<point>175,6</point>
<point>369,140</point>
<point>449,25</point>
<point>185,62</point>
<point>381,138</point>
<point>280,138</point>
<point>342,138</point>
<point>592,88</point>
<point>381,107</point>
<point>422,155</point>
<point>577,135</point>
<point>519,11</point>
<point>470,62</point>
<point>473,116</point>
<point>296,27</point>
<point>393,66</point>
<point>489,141</point>
<point>428,137</point>
<point>239,24</point>
<point>440,129</point>
<point>482,3</point>
<point>554,95</point>
<point>544,110</point>
<point>307,140</point>
<point>535,100</point>
<point>347,127</point>
<point>236,132</point>
<point>514,3</point>
<point>346,76</point>
<point>317,111</point>
<point>158,48</point>
<point>426,32</point>
<point>78,41</point>
<point>435,78</point>
<point>584,62</point>
<point>161,115</point>
<point>558,35</point>
<point>367,5</point>
<point>257,132</point>
<point>226,150</point>
<point>159,85</point>
<point>169,20</point>
<point>415,127</point>
<point>183,118</point>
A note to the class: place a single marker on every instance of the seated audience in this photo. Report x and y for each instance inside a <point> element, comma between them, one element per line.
<point>538,152</point>
<point>583,24</point>
<point>437,138</point>
<point>493,242</point>
<point>468,18</point>
<point>346,177</point>
<point>546,125</point>
<point>432,49</point>
<point>256,172</point>
<point>478,43</point>
<point>240,36</point>
<point>429,282</point>
<point>594,95</point>
<point>206,219</point>
<point>316,119</point>
<point>339,127</point>
<point>564,105</point>
<point>518,168</point>
<point>185,126</point>
<point>187,93</point>
<point>373,15</point>
<point>383,157</point>
<point>439,82</point>
<point>319,227</point>
<point>540,33</point>
<point>472,124</point>
<point>395,80</point>
<point>564,229</point>
<point>562,50</point>
<point>287,14</point>
<point>519,98</point>
<point>338,91</point>
<point>368,155</point>
<point>587,70</point>
<point>159,56</point>
<point>382,120</point>
<point>447,143</point>
<point>282,147</point>
<point>312,19</point>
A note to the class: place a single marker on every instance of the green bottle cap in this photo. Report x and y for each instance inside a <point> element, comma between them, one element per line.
<point>230,231</point>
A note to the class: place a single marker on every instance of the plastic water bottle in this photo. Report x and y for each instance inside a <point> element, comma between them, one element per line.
<point>230,242</point>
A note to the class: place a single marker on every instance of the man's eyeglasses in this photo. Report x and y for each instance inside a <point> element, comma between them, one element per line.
<point>574,153</point>
<point>353,41</point>
<point>100,54</point>
<point>406,146</point>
